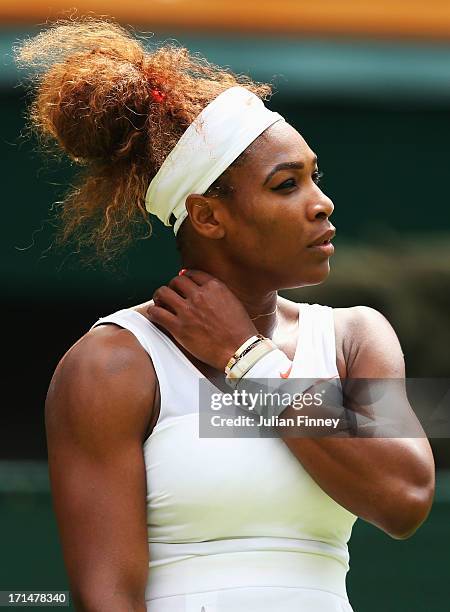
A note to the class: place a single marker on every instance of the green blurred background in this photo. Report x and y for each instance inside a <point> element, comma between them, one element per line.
<point>376,111</point>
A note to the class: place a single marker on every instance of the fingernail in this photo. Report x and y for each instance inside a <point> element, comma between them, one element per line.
<point>182,271</point>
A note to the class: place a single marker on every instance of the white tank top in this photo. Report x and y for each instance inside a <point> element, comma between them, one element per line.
<point>235,512</point>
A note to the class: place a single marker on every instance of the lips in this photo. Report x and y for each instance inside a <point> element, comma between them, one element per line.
<point>324,238</point>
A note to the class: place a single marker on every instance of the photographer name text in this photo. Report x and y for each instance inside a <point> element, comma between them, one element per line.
<point>300,420</point>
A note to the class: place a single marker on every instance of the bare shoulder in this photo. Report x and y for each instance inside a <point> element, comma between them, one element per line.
<point>366,343</point>
<point>106,378</point>
<point>358,318</point>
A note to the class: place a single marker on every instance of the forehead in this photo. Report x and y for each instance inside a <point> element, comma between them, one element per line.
<point>279,143</point>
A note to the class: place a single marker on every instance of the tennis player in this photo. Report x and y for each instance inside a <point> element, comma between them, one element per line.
<point>153,516</point>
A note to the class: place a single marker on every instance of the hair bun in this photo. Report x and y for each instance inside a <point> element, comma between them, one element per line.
<point>93,97</point>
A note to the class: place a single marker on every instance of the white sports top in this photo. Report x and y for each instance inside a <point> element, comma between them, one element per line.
<point>235,512</point>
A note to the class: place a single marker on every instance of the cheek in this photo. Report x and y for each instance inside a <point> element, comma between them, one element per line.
<point>267,241</point>
<point>281,226</point>
<point>266,229</point>
<point>272,215</point>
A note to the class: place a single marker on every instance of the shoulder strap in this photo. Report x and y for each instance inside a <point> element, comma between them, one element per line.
<point>316,354</point>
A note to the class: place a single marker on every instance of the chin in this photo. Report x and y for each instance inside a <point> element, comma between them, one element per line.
<point>313,276</point>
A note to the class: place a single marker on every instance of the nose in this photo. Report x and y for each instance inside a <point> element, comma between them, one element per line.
<point>321,208</point>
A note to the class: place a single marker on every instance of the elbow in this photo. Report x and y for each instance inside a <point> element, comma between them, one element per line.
<point>407,512</point>
<point>85,600</point>
<point>92,600</point>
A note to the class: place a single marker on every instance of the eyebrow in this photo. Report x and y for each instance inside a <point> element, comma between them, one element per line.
<point>293,165</point>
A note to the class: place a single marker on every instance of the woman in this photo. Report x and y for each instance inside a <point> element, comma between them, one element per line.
<point>223,524</point>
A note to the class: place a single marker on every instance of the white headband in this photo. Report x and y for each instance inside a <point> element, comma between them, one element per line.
<point>216,137</point>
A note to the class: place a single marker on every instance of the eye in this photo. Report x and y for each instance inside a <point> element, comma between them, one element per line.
<point>289,183</point>
<point>286,185</point>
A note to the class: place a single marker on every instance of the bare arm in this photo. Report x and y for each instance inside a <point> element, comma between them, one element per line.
<point>97,413</point>
<point>387,481</point>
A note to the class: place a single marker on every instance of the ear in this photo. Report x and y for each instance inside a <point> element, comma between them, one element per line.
<point>205,217</point>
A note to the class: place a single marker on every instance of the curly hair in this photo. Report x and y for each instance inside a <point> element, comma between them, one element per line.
<point>91,81</point>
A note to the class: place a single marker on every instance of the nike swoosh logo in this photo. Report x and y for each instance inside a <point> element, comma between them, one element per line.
<point>286,374</point>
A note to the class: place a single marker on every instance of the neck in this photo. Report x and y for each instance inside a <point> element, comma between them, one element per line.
<point>256,299</point>
<point>259,304</point>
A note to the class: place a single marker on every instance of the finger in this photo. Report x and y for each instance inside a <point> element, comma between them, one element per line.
<point>168,298</point>
<point>183,285</point>
<point>161,316</point>
<point>199,276</point>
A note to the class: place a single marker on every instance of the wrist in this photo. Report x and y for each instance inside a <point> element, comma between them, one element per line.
<point>260,347</point>
<point>258,357</point>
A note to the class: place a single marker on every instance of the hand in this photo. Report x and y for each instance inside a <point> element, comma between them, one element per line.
<point>203,315</point>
